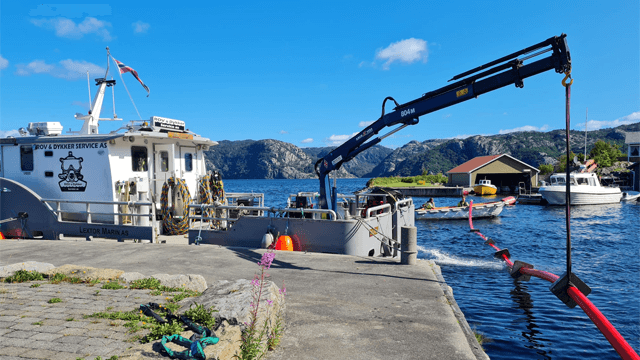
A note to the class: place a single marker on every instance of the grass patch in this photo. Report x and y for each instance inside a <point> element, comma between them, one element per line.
<point>69,319</point>
<point>37,323</point>
<point>113,285</point>
<point>201,315</point>
<point>420,180</point>
<point>54,300</point>
<point>34,285</point>
<point>24,276</point>
<point>159,330</point>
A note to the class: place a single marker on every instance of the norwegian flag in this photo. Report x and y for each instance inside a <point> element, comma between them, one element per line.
<point>125,69</point>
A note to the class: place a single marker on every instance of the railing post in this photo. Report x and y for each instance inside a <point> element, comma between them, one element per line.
<point>88,213</point>
<point>58,211</point>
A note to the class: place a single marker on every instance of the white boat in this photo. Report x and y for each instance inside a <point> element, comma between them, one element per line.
<point>585,190</point>
<point>630,195</point>
<point>149,178</point>
<point>480,210</point>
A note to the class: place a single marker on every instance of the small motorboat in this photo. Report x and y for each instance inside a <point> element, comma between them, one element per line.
<point>585,190</point>
<point>630,196</point>
<point>485,188</point>
<point>480,210</point>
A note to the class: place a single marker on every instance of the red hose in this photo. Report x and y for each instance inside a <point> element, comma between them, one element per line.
<point>607,329</point>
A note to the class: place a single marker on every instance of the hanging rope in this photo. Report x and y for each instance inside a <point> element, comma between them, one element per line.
<point>205,195</point>
<point>567,87</point>
<point>181,226</point>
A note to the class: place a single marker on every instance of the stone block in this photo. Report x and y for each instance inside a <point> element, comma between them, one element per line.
<point>8,270</point>
<point>190,282</point>
<point>86,272</point>
<point>131,276</point>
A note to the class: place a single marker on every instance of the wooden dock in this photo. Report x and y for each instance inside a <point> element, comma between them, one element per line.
<point>431,191</point>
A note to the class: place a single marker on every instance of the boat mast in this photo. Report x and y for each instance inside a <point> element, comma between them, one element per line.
<point>91,120</point>
<point>586,120</point>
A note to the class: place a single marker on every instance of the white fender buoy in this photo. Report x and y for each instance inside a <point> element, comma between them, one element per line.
<point>267,240</point>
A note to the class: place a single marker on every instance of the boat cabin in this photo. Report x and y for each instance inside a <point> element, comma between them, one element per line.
<point>587,179</point>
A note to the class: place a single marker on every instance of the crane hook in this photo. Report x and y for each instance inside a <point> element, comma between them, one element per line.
<point>567,76</point>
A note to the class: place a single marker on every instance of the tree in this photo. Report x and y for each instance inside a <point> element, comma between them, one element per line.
<point>605,154</point>
<point>546,169</point>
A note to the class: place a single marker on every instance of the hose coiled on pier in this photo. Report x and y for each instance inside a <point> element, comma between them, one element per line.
<point>170,227</point>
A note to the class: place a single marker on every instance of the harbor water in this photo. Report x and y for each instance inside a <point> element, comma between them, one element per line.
<point>524,320</point>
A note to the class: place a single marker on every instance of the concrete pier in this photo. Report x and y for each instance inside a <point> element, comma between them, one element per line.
<point>338,306</point>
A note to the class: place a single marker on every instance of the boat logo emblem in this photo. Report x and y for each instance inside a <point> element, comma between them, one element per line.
<point>71,176</point>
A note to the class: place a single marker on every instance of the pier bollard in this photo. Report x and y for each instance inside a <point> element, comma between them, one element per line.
<point>409,236</point>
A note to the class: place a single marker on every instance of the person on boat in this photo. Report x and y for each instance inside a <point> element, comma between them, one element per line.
<point>463,202</point>
<point>429,204</point>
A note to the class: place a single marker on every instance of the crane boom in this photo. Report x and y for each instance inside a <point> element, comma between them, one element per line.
<point>499,73</point>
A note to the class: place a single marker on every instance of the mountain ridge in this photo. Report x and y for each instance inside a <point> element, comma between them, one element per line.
<point>274,159</point>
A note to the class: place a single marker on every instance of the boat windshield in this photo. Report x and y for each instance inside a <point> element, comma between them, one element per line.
<point>582,181</point>
<point>557,180</point>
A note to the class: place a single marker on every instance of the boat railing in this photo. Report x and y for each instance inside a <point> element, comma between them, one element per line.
<point>247,210</point>
<point>137,206</point>
<point>403,203</point>
<point>384,208</point>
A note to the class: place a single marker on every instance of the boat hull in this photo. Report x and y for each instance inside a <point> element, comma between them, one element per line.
<point>485,190</point>
<point>558,196</point>
<point>486,210</point>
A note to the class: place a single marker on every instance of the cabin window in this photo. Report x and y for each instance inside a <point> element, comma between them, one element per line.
<point>634,150</point>
<point>48,153</point>
<point>164,161</point>
<point>26,158</point>
<point>582,181</point>
<point>188,162</point>
<point>139,158</point>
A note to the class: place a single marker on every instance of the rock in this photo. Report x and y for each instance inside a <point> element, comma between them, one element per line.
<point>86,272</point>
<point>131,276</point>
<point>190,282</point>
<point>9,270</point>
<point>233,302</point>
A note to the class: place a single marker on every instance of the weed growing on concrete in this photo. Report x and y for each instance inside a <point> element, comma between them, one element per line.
<point>113,285</point>
<point>35,285</point>
<point>69,319</point>
<point>24,276</point>
<point>159,330</point>
<point>54,300</point>
<point>201,315</point>
<point>37,323</point>
<point>255,337</point>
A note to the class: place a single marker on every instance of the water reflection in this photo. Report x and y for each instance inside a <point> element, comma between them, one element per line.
<point>524,302</point>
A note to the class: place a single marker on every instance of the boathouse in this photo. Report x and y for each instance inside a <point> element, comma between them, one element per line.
<point>632,139</point>
<point>503,170</point>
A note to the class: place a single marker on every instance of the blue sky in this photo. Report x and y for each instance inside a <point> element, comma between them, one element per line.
<point>313,74</point>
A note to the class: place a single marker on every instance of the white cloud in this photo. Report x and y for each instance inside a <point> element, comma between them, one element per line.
<point>406,51</point>
<point>282,132</point>
<point>335,140</point>
<point>307,141</point>
<point>68,69</point>
<point>140,27</point>
<point>4,134</point>
<point>597,125</point>
<point>67,28</point>
<point>82,104</point>
<point>525,128</point>
<point>365,123</point>
<point>3,63</point>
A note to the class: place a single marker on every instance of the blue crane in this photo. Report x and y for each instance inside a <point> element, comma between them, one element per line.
<point>504,71</point>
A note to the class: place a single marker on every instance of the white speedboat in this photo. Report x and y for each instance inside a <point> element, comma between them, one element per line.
<point>630,195</point>
<point>585,190</point>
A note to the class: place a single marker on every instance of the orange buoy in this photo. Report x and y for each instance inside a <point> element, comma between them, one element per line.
<point>1,236</point>
<point>284,243</point>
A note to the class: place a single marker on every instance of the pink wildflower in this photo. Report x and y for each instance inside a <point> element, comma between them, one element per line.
<point>270,302</point>
<point>255,282</point>
<point>267,259</point>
